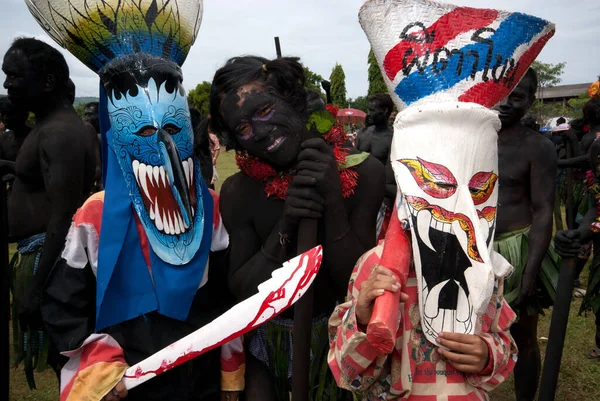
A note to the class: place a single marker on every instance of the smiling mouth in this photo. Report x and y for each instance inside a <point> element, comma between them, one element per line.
<point>276,144</point>
<point>154,184</point>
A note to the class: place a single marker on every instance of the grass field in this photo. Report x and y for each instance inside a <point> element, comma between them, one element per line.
<point>579,378</point>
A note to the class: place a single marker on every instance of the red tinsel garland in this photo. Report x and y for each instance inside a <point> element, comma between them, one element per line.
<point>278,183</point>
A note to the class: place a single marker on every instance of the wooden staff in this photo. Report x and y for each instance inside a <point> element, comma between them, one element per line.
<point>277,47</point>
<point>396,256</point>
<point>302,334</point>
<point>562,305</point>
<point>6,171</point>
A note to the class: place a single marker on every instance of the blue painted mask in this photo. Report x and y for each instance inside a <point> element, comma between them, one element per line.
<point>153,140</point>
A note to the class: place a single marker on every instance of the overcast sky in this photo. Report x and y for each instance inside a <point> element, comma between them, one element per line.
<point>323,32</point>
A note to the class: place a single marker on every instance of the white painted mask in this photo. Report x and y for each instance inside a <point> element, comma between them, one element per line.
<point>444,67</point>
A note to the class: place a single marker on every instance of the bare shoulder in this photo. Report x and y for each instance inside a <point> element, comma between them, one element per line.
<point>62,130</point>
<point>538,146</point>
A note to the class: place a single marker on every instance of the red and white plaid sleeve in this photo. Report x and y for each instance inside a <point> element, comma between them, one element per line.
<point>352,359</point>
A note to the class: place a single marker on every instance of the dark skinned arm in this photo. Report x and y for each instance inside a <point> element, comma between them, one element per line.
<point>391,188</point>
<point>568,242</point>
<point>64,179</point>
<point>347,237</point>
<point>542,190</point>
<point>250,261</point>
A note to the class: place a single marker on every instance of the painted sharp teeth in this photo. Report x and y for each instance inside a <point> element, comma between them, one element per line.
<point>158,222</point>
<point>186,171</point>
<point>162,176</point>
<point>152,212</point>
<point>166,217</point>
<point>155,173</point>
<point>182,223</point>
<point>136,167</point>
<point>423,224</point>
<point>149,173</point>
<point>191,167</point>
<point>171,226</point>
<point>193,212</point>
<point>142,179</point>
<point>176,223</point>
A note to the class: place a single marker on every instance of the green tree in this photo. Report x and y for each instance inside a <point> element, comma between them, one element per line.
<point>549,75</point>
<point>360,103</point>
<point>376,82</point>
<point>79,109</point>
<point>313,80</point>
<point>338,86</point>
<point>577,103</point>
<point>199,97</point>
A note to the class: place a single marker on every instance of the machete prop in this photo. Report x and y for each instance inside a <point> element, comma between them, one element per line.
<point>275,295</point>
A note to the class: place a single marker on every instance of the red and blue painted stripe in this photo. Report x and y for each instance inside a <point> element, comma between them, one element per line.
<point>429,67</point>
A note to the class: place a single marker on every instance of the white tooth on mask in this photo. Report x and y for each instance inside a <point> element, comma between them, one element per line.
<point>162,176</point>
<point>136,167</point>
<point>423,227</point>
<point>186,171</point>
<point>193,212</point>
<point>431,309</point>
<point>143,182</point>
<point>448,320</point>
<point>191,167</point>
<point>176,223</point>
<point>149,173</point>
<point>166,217</point>
<point>463,307</point>
<point>485,229</point>
<point>155,173</point>
<point>181,223</point>
<point>171,226</point>
<point>151,212</point>
<point>158,222</point>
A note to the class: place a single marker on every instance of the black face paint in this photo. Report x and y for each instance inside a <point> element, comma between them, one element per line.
<point>90,115</point>
<point>378,115</point>
<point>23,85</point>
<point>516,104</point>
<point>265,125</point>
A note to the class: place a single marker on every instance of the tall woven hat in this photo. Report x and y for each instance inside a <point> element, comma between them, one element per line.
<point>98,31</point>
<point>433,52</point>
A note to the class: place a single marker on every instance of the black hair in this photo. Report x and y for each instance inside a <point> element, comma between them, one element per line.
<point>123,74</point>
<point>384,100</point>
<point>532,75</point>
<point>560,120</point>
<point>45,60</point>
<point>285,75</point>
<point>195,116</point>
<point>202,149</point>
<point>591,111</point>
<point>91,104</point>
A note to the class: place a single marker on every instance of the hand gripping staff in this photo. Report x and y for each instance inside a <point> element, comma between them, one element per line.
<point>396,256</point>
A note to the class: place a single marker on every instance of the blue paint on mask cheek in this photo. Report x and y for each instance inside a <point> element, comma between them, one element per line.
<point>148,168</point>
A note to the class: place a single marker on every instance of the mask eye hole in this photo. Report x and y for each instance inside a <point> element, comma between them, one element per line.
<point>148,130</point>
<point>482,186</point>
<point>264,113</point>
<point>434,179</point>
<point>172,129</point>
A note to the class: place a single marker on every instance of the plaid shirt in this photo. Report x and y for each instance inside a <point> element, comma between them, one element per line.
<point>414,370</point>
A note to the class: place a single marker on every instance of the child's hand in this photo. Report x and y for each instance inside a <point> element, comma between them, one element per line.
<point>380,280</point>
<point>468,353</point>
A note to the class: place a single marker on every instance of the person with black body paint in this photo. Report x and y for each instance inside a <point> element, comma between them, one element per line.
<point>259,108</point>
<point>527,169</point>
<point>376,138</point>
<point>17,129</point>
<point>54,173</point>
